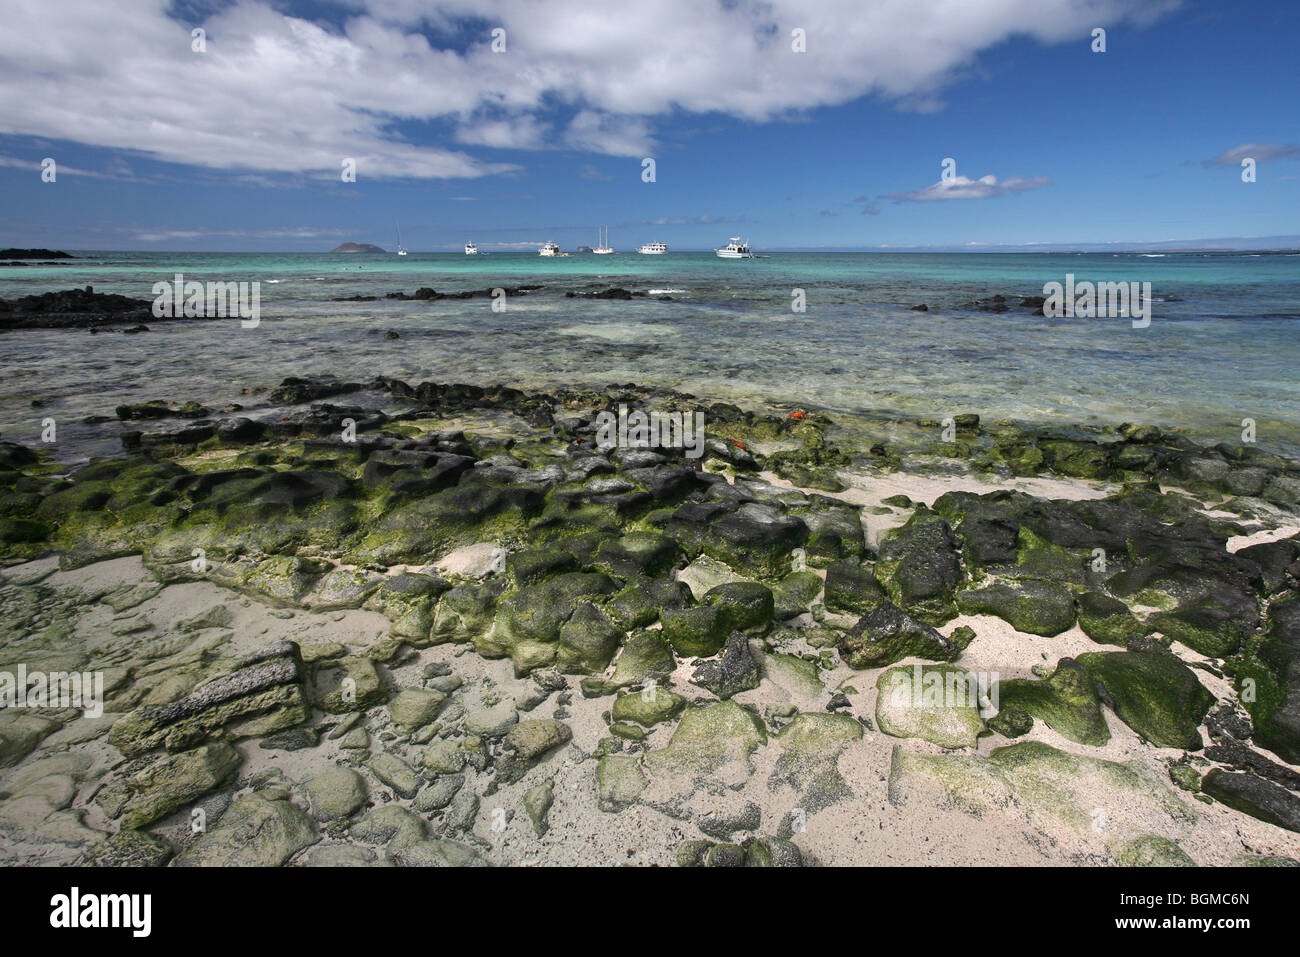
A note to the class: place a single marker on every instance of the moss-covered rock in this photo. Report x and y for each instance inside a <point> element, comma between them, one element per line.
<point>1031,605</point>
<point>1108,620</point>
<point>1050,787</point>
<point>1154,693</point>
<point>538,612</point>
<point>1268,679</point>
<point>936,703</point>
<point>1077,459</point>
<point>921,569</point>
<point>1152,850</point>
<point>800,677</point>
<point>1214,632</point>
<point>644,599</point>
<point>707,739</point>
<point>887,634</point>
<point>346,685</point>
<point>646,656</point>
<point>335,792</point>
<point>745,606</point>
<point>852,587</point>
<point>808,753</point>
<point>429,527</point>
<point>413,708</point>
<point>588,641</point>
<point>794,594</point>
<point>755,537</point>
<point>1066,702</point>
<point>619,781</point>
<point>700,631</point>
<point>129,848</point>
<point>466,612</point>
<point>253,832</point>
<point>1011,722</point>
<point>648,707</point>
<point>1036,557</point>
<point>262,696</point>
<point>1254,796</point>
<point>174,780</point>
<point>637,554</point>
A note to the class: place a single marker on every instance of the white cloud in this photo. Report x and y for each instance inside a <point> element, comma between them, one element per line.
<point>613,136</point>
<point>293,232</point>
<point>120,170</point>
<point>963,187</point>
<point>1259,152</point>
<point>274,93</point>
<point>522,132</point>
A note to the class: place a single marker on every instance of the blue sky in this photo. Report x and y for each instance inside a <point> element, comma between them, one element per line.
<point>238,147</point>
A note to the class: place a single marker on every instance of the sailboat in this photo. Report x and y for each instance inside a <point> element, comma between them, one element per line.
<point>400,250</point>
<point>604,248</point>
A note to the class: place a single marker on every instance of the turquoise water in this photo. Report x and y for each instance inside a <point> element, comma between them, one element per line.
<point>1222,345</point>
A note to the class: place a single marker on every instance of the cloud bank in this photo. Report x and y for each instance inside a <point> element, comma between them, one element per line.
<point>285,94</point>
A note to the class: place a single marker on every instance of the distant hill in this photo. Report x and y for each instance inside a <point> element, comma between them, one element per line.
<point>34,254</point>
<point>357,248</point>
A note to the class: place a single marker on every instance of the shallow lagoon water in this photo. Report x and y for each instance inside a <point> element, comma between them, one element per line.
<point>1222,345</point>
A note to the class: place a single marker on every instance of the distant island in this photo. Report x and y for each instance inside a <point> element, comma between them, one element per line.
<point>34,254</point>
<point>357,248</point>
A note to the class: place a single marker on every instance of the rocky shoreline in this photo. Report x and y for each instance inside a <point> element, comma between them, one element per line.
<point>456,631</point>
<point>78,309</point>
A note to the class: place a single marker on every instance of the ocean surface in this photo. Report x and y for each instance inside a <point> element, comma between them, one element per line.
<point>1223,344</point>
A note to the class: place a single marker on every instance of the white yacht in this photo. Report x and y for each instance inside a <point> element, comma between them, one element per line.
<point>653,249</point>
<point>471,249</point>
<point>549,249</point>
<point>401,250</point>
<point>603,248</point>
<point>735,250</point>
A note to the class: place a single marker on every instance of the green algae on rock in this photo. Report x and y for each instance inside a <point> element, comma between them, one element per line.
<point>1154,693</point>
<point>707,739</point>
<point>263,696</point>
<point>255,832</point>
<point>1030,605</point>
<point>293,517</point>
<point>648,707</point>
<point>1066,702</point>
<point>1046,784</point>
<point>921,568</point>
<point>936,703</point>
<point>852,587</point>
<point>1108,620</point>
<point>808,752</point>
<point>174,780</point>
<point>887,634</point>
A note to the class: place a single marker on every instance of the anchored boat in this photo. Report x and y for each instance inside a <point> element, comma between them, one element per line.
<point>735,250</point>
